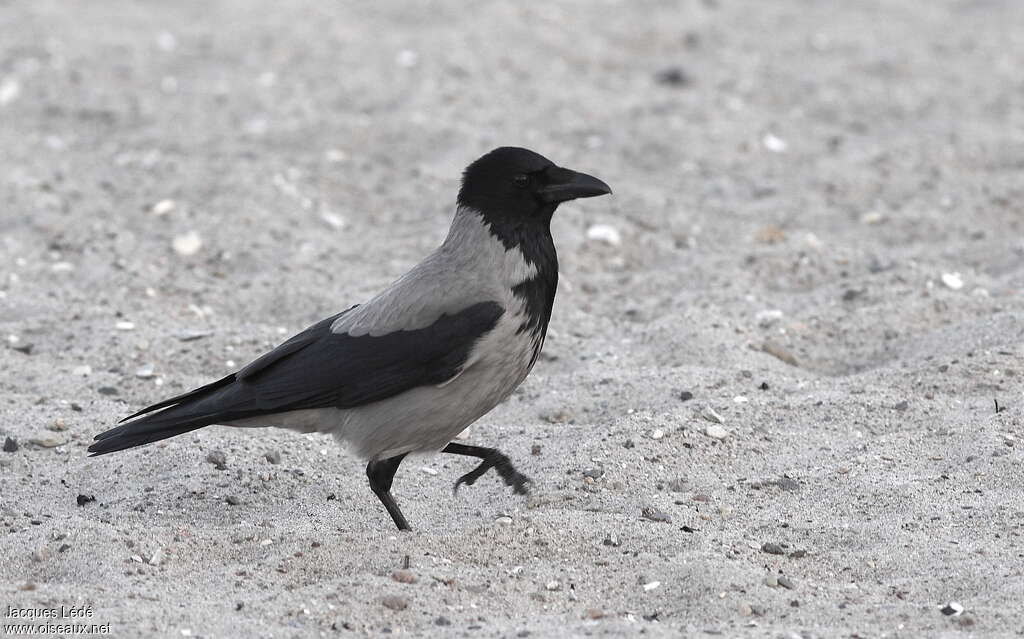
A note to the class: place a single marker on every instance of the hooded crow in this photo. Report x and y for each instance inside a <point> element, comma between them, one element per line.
<point>433,352</point>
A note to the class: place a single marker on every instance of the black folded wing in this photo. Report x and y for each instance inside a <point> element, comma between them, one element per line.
<point>318,368</point>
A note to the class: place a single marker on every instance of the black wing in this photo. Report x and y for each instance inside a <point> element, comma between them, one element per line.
<point>316,369</point>
<point>330,369</point>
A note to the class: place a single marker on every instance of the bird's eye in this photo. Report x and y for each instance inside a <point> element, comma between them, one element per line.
<point>522,180</point>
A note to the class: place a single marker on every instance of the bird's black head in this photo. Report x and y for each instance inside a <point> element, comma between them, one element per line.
<point>517,190</point>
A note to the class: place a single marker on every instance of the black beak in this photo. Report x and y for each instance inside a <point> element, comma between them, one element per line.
<point>564,185</point>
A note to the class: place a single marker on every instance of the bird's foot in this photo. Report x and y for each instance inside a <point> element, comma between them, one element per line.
<point>505,469</point>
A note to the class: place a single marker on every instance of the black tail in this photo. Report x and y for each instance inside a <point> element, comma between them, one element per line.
<point>181,414</point>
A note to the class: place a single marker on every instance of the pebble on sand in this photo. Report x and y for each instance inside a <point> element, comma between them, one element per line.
<point>167,42</point>
<point>709,414</point>
<point>952,609</point>
<point>335,156</point>
<point>779,352</point>
<point>604,233</point>
<point>192,334</point>
<point>715,431</point>
<point>187,244</point>
<point>673,77</point>
<point>653,514</point>
<point>333,220</point>
<point>163,207</point>
<point>145,372</point>
<point>10,444</point>
<point>774,143</point>
<point>953,281</point>
<point>768,317</point>
<point>47,442</point>
<point>553,585</point>
<point>772,548</point>
<point>273,456</point>
<point>10,89</point>
<point>557,417</point>
<point>407,58</point>
<point>403,576</point>
<point>872,217</point>
<point>218,459</point>
<point>21,347</point>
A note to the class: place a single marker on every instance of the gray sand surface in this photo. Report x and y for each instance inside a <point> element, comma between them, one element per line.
<point>820,218</point>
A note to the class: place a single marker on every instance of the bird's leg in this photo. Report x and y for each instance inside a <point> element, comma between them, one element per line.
<point>381,472</point>
<point>491,459</point>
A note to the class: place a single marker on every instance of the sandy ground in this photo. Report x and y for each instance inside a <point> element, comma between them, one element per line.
<point>820,243</point>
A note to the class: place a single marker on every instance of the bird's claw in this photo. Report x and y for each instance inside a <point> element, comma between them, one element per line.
<point>512,477</point>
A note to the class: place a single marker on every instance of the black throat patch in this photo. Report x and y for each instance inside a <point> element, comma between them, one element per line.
<point>538,292</point>
<point>532,238</point>
<point>538,296</point>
